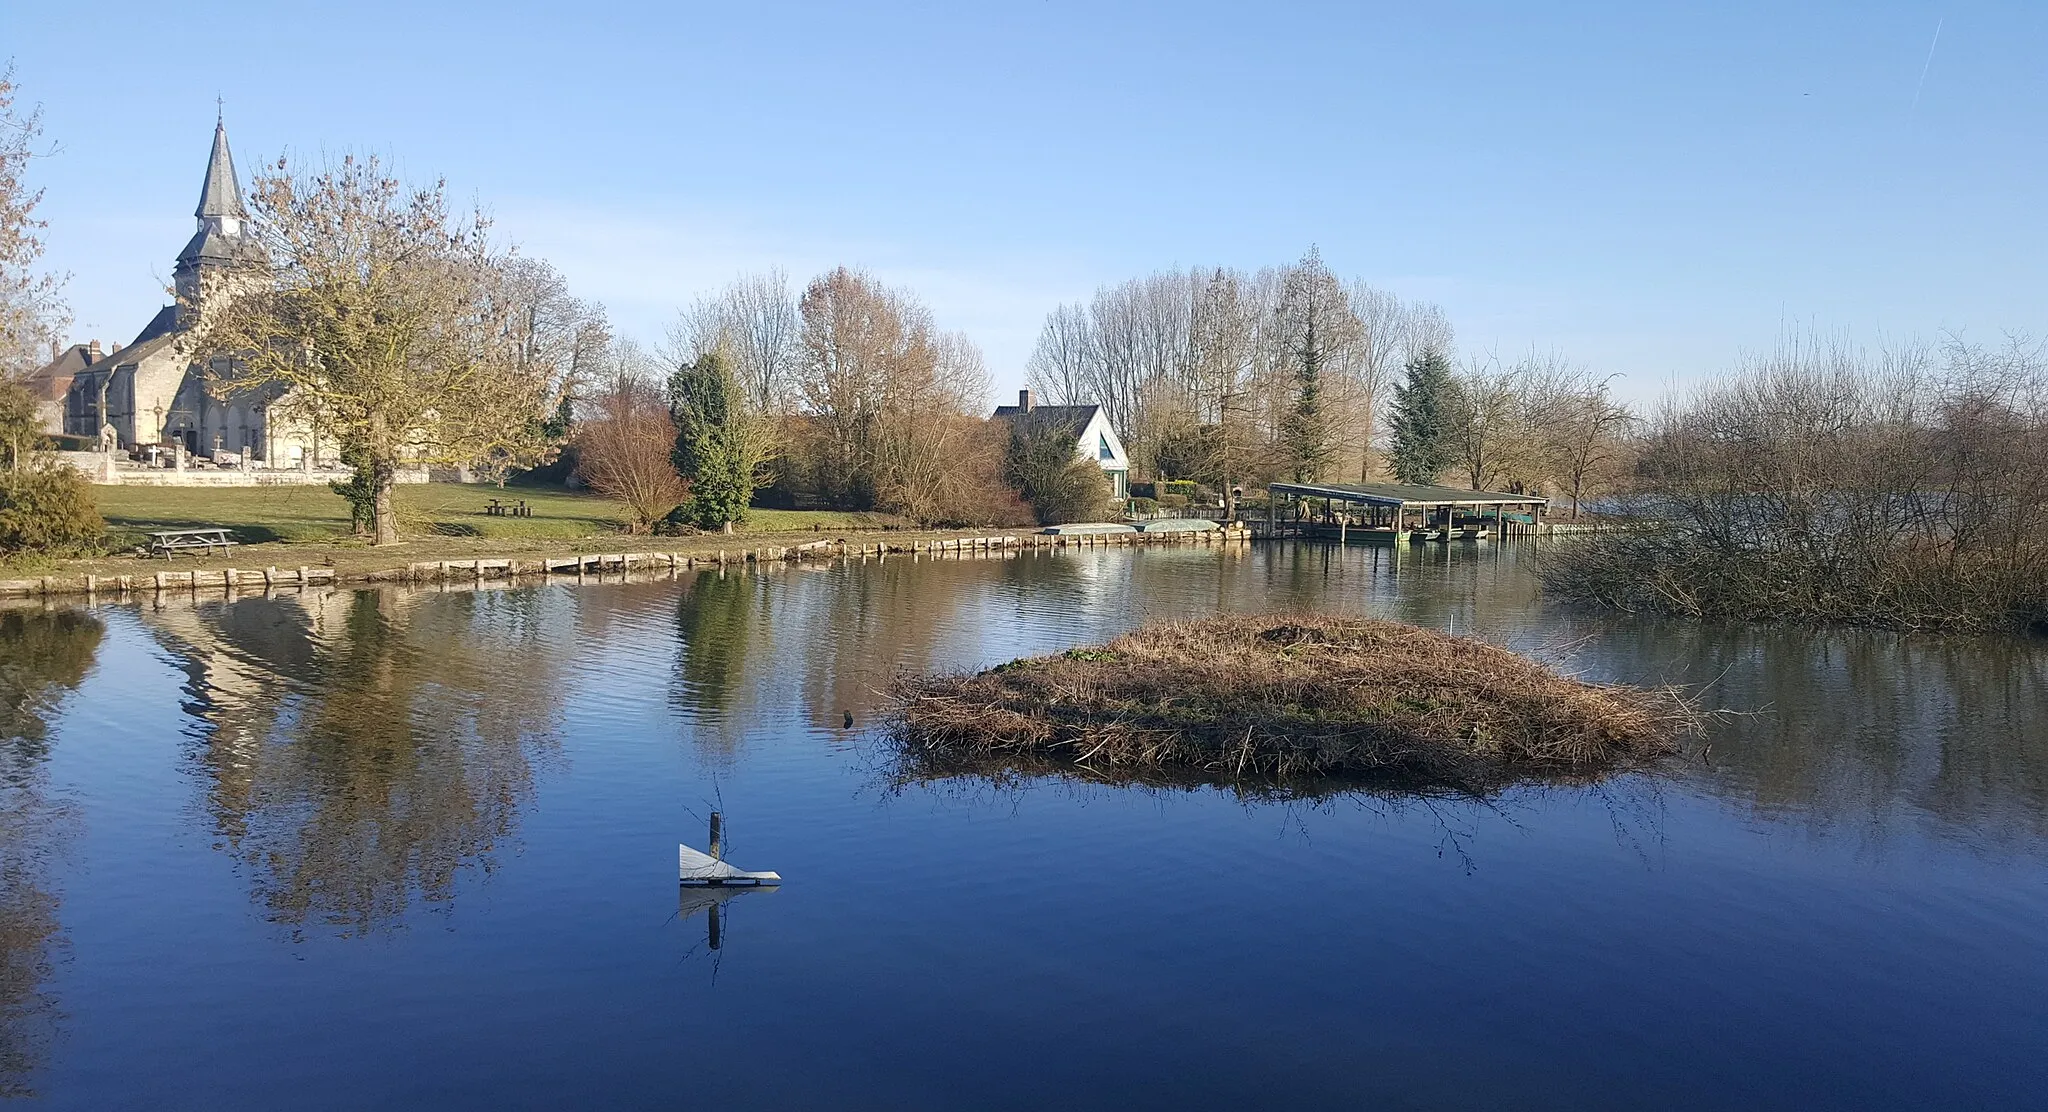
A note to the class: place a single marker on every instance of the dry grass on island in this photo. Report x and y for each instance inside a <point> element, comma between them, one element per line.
<point>1275,697</point>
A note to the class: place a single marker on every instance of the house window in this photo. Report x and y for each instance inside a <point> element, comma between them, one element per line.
<point>1103,452</point>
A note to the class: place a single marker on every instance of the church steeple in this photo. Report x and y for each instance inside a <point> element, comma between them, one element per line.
<point>222,241</point>
<point>221,198</point>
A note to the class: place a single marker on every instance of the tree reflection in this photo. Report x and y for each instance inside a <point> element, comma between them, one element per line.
<point>1875,734</point>
<point>43,657</point>
<point>364,747</point>
<point>716,622</point>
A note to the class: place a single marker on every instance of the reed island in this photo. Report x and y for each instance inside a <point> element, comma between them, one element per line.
<point>1280,697</point>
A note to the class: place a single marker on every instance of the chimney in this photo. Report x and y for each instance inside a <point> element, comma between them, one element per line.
<point>1024,400</point>
<point>56,351</point>
<point>115,348</point>
<point>92,350</point>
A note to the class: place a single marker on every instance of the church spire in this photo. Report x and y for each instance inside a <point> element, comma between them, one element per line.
<point>223,242</point>
<point>221,197</point>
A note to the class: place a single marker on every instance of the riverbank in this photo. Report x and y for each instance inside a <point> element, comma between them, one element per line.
<point>1282,696</point>
<point>435,560</point>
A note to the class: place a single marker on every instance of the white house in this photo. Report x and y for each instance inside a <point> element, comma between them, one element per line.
<point>1094,439</point>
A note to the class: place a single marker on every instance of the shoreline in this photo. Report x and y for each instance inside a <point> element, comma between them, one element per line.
<point>558,562</point>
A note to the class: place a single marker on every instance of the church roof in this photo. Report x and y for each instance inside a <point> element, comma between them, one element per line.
<point>222,193</point>
<point>163,324</point>
<point>211,245</point>
<point>133,353</point>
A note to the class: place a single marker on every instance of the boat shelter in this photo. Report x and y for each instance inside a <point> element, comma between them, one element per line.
<point>1398,511</point>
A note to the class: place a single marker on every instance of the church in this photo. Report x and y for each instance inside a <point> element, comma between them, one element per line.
<point>151,393</point>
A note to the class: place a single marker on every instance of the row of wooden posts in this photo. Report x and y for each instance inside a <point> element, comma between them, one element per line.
<point>223,578</point>
<point>584,565</point>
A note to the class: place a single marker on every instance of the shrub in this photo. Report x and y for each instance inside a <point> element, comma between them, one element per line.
<point>1819,486</point>
<point>1182,487</point>
<point>1060,488</point>
<point>47,509</point>
<point>625,450</point>
<point>1173,501</point>
<point>1144,505</point>
<point>956,476</point>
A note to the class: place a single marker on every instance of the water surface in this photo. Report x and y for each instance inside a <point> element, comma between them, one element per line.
<point>391,848</point>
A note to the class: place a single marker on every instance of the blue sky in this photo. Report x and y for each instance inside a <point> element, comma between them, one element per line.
<point>1651,189</point>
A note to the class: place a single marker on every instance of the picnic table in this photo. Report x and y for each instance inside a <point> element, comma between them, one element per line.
<point>170,542</point>
<point>508,508</point>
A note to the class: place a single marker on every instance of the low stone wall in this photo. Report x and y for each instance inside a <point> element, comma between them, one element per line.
<point>583,567</point>
<point>229,477</point>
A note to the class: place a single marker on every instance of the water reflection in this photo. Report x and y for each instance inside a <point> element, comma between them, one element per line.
<point>359,758</point>
<point>710,901</point>
<point>360,749</point>
<point>1840,732</point>
<point>719,619</point>
<point>1865,735</point>
<point>44,656</point>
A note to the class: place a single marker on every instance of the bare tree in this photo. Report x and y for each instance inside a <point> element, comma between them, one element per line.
<point>1584,432</point>
<point>1062,365</point>
<point>1488,421</point>
<point>558,338</point>
<point>1382,334</point>
<point>1225,326</point>
<point>926,422</point>
<point>33,316</point>
<point>1427,329</point>
<point>1147,350</point>
<point>755,323</point>
<point>876,386</point>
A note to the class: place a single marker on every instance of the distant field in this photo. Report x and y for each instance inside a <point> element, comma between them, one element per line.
<point>314,515</point>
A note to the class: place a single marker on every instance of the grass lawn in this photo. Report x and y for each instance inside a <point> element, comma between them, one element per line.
<point>290,526</point>
<point>314,515</point>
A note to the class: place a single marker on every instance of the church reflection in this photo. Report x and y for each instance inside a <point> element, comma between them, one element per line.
<point>361,749</point>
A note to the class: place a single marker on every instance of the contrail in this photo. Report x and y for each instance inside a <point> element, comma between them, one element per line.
<point>1924,68</point>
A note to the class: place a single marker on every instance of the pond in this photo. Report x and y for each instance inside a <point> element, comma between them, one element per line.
<point>398,848</point>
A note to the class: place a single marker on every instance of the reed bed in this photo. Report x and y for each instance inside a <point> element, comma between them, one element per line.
<point>1274,698</point>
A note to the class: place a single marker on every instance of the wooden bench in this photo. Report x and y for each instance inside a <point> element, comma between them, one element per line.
<point>173,541</point>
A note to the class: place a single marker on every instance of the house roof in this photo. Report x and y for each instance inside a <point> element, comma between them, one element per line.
<point>52,379</point>
<point>1070,419</point>
<point>1406,494</point>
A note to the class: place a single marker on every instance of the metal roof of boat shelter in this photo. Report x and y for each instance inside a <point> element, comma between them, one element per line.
<point>1405,494</point>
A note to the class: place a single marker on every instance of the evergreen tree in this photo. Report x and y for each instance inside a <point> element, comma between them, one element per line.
<point>1422,415</point>
<point>1321,330</point>
<point>721,445</point>
<point>1307,437</point>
